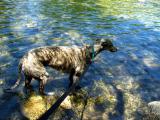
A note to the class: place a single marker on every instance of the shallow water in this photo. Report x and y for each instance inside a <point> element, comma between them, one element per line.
<point>132,75</point>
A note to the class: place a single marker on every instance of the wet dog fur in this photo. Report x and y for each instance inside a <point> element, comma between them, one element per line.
<point>69,59</point>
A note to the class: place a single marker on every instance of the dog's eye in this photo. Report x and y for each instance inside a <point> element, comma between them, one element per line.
<point>109,45</point>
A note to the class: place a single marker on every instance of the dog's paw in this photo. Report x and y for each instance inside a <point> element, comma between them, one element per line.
<point>77,88</point>
<point>48,93</point>
<point>9,90</point>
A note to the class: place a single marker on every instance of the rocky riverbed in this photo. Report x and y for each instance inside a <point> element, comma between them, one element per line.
<point>117,86</point>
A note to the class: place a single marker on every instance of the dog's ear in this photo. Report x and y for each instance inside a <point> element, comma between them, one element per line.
<point>106,42</point>
<point>97,40</point>
<point>86,45</point>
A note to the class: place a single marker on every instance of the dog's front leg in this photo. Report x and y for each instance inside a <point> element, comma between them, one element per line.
<point>74,80</point>
<point>41,88</point>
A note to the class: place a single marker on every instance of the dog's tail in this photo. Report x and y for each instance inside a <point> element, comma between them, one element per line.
<point>18,80</point>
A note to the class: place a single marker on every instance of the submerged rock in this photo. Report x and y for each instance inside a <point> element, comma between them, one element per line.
<point>154,110</point>
<point>95,102</point>
<point>66,104</point>
<point>34,106</point>
<point>98,101</point>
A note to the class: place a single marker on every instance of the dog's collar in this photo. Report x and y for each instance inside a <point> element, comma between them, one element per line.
<point>92,53</point>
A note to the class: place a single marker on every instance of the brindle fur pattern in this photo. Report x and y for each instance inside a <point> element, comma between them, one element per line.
<point>73,60</point>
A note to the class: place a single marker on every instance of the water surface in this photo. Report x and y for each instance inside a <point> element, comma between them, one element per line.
<point>132,75</point>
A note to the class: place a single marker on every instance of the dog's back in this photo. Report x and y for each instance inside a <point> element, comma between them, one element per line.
<point>61,58</point>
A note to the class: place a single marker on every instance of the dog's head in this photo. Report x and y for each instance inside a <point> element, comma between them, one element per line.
<point>108,45</point>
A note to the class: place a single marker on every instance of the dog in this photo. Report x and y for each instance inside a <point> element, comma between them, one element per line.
<point>73,60</point>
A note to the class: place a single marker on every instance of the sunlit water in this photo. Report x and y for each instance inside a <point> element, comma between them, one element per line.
<point>132,74</point>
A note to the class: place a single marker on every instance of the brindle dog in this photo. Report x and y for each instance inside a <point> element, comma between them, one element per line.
<point>73,60</point>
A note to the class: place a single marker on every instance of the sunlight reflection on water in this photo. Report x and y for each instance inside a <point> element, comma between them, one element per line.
<point>130,76</point>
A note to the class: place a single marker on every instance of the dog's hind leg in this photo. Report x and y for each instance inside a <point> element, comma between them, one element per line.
<point>42,82</point>
<point>27,83</point>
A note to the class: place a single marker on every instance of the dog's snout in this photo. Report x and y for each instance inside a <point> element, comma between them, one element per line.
<point>114,49</point>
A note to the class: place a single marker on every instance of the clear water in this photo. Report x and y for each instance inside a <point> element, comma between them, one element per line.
<point>134,26</point>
